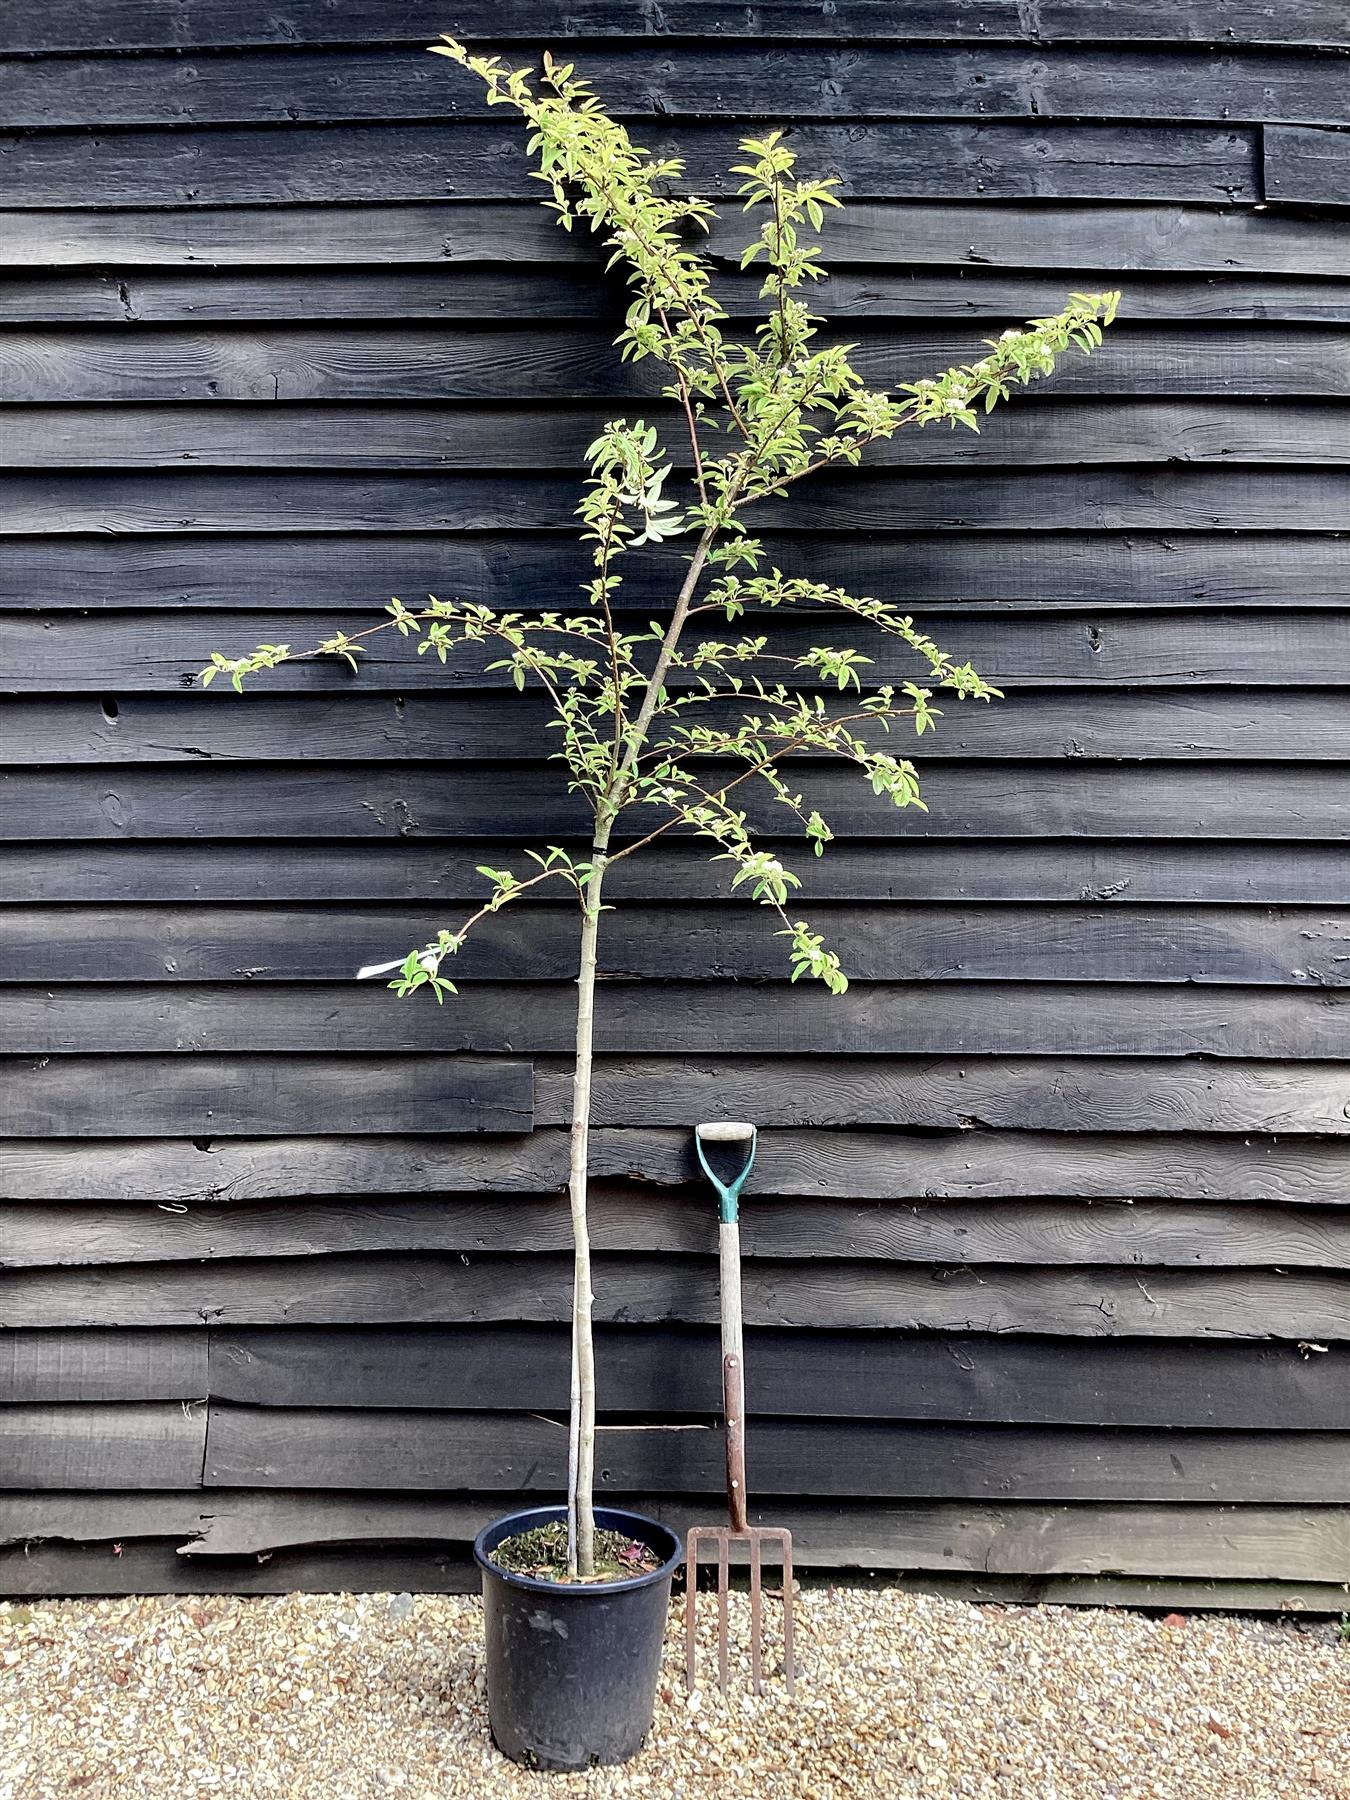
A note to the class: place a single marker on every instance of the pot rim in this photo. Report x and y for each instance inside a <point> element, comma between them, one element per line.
<point>578,1590</point>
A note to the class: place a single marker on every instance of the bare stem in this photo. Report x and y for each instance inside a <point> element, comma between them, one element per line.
<point>581,1427</point>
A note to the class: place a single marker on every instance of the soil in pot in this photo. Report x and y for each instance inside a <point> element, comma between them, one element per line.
<point>542,1553</point>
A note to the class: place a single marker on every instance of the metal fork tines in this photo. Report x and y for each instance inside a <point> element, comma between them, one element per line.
<point>757,1538</point>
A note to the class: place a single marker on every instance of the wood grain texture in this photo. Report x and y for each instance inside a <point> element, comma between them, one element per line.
<point>1050,571</point>
<point>42,1367</point>
<point>114,1445</point>
<point>223,165</point>
<point>206,1095</point>
<point>796,1162</point>
<point>250,1447</point>
<point>1127,239</point>
<point>401,362</point>
<point>151,1567</point>
<point>287,802</point>
<point>192,24</point>
<point>652,1371</point>
<point>1146,725</point>
<point>1247,1542</point>
<point>1233,946</point>
<point>1046,1234</point>
<point>440,1289</point>
<point>558,289</point>
<point>704,79</point>
<point>1023,1018</point>
<point>419,435</point>
<point>1119,871</point>
<point>144,652</point>
<point>1126,498</point>
<point>1306,167</point>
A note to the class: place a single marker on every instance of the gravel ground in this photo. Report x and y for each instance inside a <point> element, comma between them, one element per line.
<point>342,1698</point>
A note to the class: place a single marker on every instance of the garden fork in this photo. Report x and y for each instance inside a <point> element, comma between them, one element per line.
<point>755,1537</point>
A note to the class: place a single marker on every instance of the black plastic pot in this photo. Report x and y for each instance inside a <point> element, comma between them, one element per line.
<point>571,1671</point>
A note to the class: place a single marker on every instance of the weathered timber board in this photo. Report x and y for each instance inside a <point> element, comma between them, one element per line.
<point>1243,1542</point>
<point>207,1095</point>
<point>1066,799</point>
<point>145,652</point>
<point>151,1567</point>
<point>416,435</point>
<point>190,24</point>
<point>800,1164</point>
<point>1124,873</point>
<point>651,1371</point>
<point>107,1446</point>
<point>1306,167</point>
<point>688,80</point>
<point>38,1367</point>
<point>1241,946</point>
<point>1130,497</point>
<point>1148,239</point>
<point>223,165</point>
<point>1160,724</point>
<point>443,1288</point>
<point>258,1447</point>
<point>884,1018</point>
<point>1048,1234</point>
<point>1053,571</point>
<point>389,361</point>
<point>503,290</point>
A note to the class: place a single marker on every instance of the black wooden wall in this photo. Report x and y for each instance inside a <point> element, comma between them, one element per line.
<point>1049,1240</point>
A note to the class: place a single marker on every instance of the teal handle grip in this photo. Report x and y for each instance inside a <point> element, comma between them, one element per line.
<point>728,1192</point>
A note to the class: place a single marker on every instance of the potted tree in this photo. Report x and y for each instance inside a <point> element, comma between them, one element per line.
<point>667,727</point>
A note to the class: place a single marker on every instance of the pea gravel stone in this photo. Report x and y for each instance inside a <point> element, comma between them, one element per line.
<point>334,1697</point>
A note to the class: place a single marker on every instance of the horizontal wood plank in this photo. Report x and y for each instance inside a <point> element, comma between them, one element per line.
<point>1152,725</point>
<point>1149,725</point>
<point>876,1019</point>
<point>150,1567</point>
<point>194,24</point>
<point>546,290</point>
<point>1233,946</point>
<point>433,1288</point>
<point>798,1162</point>
<point>146,652</point>
<point>1045,1234</point>
<point>271,1448</point>
<point>41,1367</point>
<point>818,1374</point>
<point>1247,1542</point>
<point>1069,799</point>
<point>1143,239</point>
<point>1122,872</point>
<point>400,436</point>
<point>223,165</point>
<point>1306,167</point>
<point>213,1096</point>
<point>1119,498</point>
<point>703,79</point>
<point>114,1445</point>
<point>99,1517</point>
<point>396,362</point>
<point>1053,571</point>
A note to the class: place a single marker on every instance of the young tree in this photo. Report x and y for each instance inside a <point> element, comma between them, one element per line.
<point>658,734</point>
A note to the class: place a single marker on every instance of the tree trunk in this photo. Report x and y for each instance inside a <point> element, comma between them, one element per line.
<point>581,1435</point>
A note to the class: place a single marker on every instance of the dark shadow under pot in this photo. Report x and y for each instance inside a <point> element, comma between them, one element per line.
<point>572,1670</point>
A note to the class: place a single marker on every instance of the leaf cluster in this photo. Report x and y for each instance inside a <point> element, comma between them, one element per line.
<point>658,734</point>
